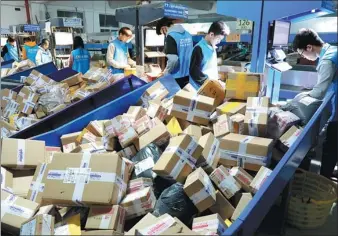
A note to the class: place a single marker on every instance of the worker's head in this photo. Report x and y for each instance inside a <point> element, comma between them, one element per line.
<point>217,31</point>
<point>125,34</point>
<point>163,25</point>
<point>78,43</point>
<point>44,44</point>
<point>308,44</point>
<point>11,40</point>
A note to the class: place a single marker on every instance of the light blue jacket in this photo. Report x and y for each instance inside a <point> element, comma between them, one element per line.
<point>12,53</point>
<point>81,60</point>
<point>120,55</point>
<point>43,56</point>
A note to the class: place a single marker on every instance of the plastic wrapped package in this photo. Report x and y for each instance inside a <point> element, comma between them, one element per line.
<point>145,160</point>
<point>304,107</point>
<point>54,98</point>
<point>24,122</point>
<point>160,184</point>
<point>176,203</point>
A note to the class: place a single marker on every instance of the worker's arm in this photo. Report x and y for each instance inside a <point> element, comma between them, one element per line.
<point>38,58</point>
<point>4,51</point>
<point>172,54</point>
<point>195,70</point>
<point>131,62</point>
<point>110,58</point>
<point>326,73</point>
<point>71,61</point>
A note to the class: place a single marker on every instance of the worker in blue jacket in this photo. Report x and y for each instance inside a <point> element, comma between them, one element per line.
<point>309,45</point>
<point>80,58</point>
<point>203,64</point>
<point>178,49</point>
<point>118,57</point>
<point>10,50</point>
<point>29,49</point>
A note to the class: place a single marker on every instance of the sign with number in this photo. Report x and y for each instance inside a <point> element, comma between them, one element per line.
<point>72,22</point>
<point>243,24</point>
<point>233,38</point>
<point>31,28</point>
<point>176,11</point>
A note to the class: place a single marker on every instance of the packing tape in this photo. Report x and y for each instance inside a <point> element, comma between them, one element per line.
<point>46,225</point>
<point>252,159</point>
<point>29,227</point>
<point>82,177</point>
<point>261,179</point>
<point>8,207</point>
<point>228,185</point>
<point>191,148</point>
<point>159,227</point>
<point>196,112</point>
<point>292,138</point>
<point>205,225</point>
<point>156,93</point>
<point>192,107</point>
<point>199,196</point>
<point>21,153</point>
<point>252,125</point>
<point>105,221</point>
<point>37,186</point>
<point>243,144</point>
<point>213,151</point>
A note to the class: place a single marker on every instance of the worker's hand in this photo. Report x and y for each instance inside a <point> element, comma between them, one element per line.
<point>160,75</point>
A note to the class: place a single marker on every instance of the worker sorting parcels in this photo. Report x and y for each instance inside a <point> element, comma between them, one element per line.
<point>117,54</point>
<point>29,49</point>
<point>309,45</point>
<point>43,56</point>
<point>79,58</point>
<point>203,64</point>
<point>10,50</point>
<point>178,49</point>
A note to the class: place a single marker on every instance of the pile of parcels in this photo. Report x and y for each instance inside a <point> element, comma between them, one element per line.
<point>41,96</point>
<point>17,67</point>
<point>185,165</point>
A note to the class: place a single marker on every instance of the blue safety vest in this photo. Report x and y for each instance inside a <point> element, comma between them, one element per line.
<point>46,56</point>
<point>209,62</point>
<point>81,60</point>
<point>329,52</point>
<point>12,53</point>
<point>120,55</point>
<point>184,50</point>
<point>31,52</point>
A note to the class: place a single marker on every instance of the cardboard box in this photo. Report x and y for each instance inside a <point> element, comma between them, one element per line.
<point>80,94</point>
<point>21,153</point>
<point>116,126</point>
<point>50,153</point>
<point>136,112</point>
<point>236,123</point>
<point>243,202</point>
<point>69,138</point>
<point>73,80</point>
<point>179,158</point>
<point>242,177</point>
<point>141,122</point>
<point>21,185</point>
<point>174,127</point>
<point>15,211</point>
<point>99,232</point>
<point>225,182</point>
<point>69,182</point>
<point>158,135</point>
<point>37,184</point>
<point>85,137</point>
<point>221,127</point>
<point>244,151</point>
<point>178,228</point>
<point>240,85</point>
<point>279,122</point>
<point>6,95</point>
<point>189,88</point>
<point>37,79</point>
<point>209,225</point>
<point>156,92</point>
<point>11,108</point>
<point>222,206</point>
<point>96,87</point>
<point>6,179</point>
<point>70,226</point>
<point>139,184</point>
<point>24,122</point>
<point>200,190</point>
<point>128,152</point>
<point>212,89</point>
<point>139,203</point>
<point>288,138</point>
<point>256,116</point>
<point>68,148</point>
<point>148,125</point>
<point>260,178</point>
<point>148,218</point>
<point>192,107</point>
<point>38,225</point>
<point>206,130</point>
<point>96,128</point>
<point>106,217</point>
<point>50,210</point>
<point>57,108</point>
<point>194,130</point>
<point>130,165</point>
<point>156,227</point>
<point>128,137</point>
<point>7,126</point>
<point>155,109</point>
<point>210,154</point>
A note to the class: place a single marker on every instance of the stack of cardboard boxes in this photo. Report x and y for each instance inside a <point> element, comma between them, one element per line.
<point>220,168</point>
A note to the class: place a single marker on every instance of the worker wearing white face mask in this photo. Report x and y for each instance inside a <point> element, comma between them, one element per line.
<point>117,54</point>
<point>203,63</point>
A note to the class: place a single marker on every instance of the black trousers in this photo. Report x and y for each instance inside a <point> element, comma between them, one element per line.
<point>182,81</point>
<point>330,147</point>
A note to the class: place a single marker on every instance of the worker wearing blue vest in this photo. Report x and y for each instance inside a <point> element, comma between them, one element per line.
<point>80,58</point>
<point>118,57</point>
<point>10,50</point>
<point>203,64</point>
<point>29,50</point>
<point>309,45</point>
<point>178,49</point>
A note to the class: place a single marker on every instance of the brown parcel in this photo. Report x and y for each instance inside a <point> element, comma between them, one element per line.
<point>99,232</point>
<point>146,220</point>
<point>22,153</point>
<point>38,225</point>
<point>27,102</point>
<point>192,107</point>
<point>189,88</point>
<point>179,158</point>
<point>156,92</point>
<point>210,155</point>
<point>136,112</point>
<point>257,151</point>
<point>6,179</point>
<point>106,217</point>
<point>38,184</point>
<point>194,130</point>
<point>243,177</point>
<point>243,202</point>
<point>157,226</point>
<point>128,137</point>
<point>148,125</point>
<point>223,207</point>
<point>155,109</point>
<point>236,123</point>
<point>21,185</point>
<point>7,94</point>
<point>212,89</point>
<point>158,135</point>
<point>231,108</point>
<point>221,127</point>
<point>16,211</point>
<point>69,182</point>
<point>128,152</point>
<point>69,138</point>
<point>256,116</point>
<point>139,184</point>
<point>200,190</point>
<point>96,87</point>
<point>260,178</point>
<point>37,79</point>
<point>50,210</point>
<point>240,85</point>
<point>73,80</point>
<point>288,138</point>
<point>205,225</point>
<point>96,128</point>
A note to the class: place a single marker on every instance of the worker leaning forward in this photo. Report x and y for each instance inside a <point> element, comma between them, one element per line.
<point>29,49</point>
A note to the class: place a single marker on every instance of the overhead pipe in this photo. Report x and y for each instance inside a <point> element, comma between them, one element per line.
<point>28,15</point>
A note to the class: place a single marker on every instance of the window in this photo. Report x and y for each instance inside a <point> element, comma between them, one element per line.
<point>108,21</point>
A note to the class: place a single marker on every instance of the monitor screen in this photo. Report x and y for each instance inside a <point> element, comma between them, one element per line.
<point>63,38</point>
<point>281,33</point>
<point>152,39</point>
<point>3,41</point>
